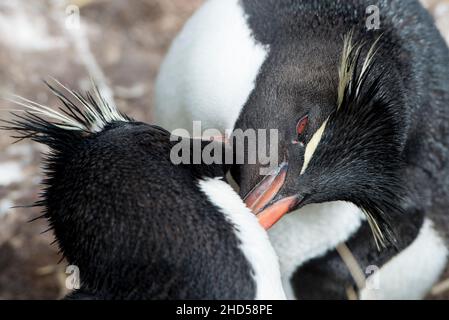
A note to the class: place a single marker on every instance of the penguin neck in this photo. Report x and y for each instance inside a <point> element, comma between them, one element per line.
<point>253,239</point>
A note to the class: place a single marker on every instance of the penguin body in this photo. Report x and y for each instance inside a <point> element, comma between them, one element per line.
<point>297,69</point>
<point>136,225</point>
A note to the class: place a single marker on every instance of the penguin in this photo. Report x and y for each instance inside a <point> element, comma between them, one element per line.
<point>135,224</point>
<point>362,114</point>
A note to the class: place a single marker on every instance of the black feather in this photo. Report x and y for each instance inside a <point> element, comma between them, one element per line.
<point>137,226</point>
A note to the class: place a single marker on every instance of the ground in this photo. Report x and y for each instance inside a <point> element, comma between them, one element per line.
<point>121,43</point>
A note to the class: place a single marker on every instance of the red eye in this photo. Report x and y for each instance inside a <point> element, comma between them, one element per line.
<point>302,125</point>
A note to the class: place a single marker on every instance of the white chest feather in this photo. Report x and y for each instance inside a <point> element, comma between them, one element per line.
<point>255,244</point>
<point>210,69</point>
<point>413,272</point>
<point>311,232</point>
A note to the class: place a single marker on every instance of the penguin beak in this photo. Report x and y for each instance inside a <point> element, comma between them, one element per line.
<point>260,198</point>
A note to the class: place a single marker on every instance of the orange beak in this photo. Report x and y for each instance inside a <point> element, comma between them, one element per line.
<point>259,200</point>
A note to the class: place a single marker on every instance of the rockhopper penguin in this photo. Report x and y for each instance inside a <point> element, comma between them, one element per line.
<point>136,225</point>
<point>363,120</point>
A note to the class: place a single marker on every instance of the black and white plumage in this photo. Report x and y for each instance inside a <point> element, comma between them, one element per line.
<point>381,146</point>
<point>136,225</point>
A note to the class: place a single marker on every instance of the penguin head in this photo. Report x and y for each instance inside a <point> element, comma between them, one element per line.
<point>346,146</point>
<point>136,225</point>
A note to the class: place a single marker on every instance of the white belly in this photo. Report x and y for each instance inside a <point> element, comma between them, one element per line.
<point>413,272</point>
<point>210,69</point>
<point>311,232</point>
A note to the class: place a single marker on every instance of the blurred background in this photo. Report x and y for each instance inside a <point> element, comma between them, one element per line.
<point>121,44</point>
